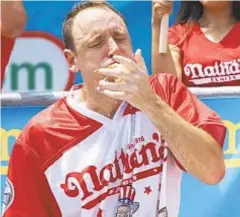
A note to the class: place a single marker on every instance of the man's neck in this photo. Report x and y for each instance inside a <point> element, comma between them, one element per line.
<point>97,102</point>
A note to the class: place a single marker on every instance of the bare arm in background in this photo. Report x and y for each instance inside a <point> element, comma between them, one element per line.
<point>13,18</point>
<point>171,62</point>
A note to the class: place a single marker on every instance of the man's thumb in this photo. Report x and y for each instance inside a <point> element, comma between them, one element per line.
<point>140,61</point>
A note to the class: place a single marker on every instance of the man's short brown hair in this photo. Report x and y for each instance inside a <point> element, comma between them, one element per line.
<point>68,21</point>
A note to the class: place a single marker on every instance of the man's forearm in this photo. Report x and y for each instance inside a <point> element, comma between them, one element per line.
<point>195,149</point>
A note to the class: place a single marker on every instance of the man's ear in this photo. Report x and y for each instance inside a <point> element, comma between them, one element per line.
<point>71,60</point>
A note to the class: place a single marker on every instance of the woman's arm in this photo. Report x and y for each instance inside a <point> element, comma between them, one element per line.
<point>171,62</point>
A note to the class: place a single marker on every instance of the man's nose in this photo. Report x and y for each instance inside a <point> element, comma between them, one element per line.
<point>113,47</point>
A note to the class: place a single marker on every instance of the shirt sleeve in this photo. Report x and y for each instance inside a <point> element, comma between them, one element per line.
<point>176,34</point>
<point>7,45</point>
<point>25,189</point>
<point>188,106</point>
<point>193,110</point>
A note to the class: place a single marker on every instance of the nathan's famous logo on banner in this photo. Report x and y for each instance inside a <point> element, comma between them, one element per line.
<point>37,63</point>
<point>231,146</point>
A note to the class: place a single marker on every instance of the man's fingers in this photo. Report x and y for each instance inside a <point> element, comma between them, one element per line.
<point>116,72</point>
<point>112,85</point>
<point>127,63</point>
<point>114,94</point>
<point>116,86</point>
<point>140,60</point>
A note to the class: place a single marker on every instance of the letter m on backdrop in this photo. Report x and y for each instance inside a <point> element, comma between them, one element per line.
<point>31,74</point>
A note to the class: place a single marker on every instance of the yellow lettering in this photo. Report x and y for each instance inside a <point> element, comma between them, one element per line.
<point>232,163</point>
<point>3,170</point>
<point>232,131</point>
<point>5,135</point>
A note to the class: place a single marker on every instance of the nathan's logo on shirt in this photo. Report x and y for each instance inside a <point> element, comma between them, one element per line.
<point>92,179</point>
<point>126,206</point>
<point>219,72</point>
<point>37,63</point>
<point>8,195</point>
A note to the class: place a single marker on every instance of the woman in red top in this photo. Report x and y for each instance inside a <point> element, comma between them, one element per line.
<point>13,21</point>
<point>204,45</point>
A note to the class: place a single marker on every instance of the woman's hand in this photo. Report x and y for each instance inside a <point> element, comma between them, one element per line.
<point>159,8</point>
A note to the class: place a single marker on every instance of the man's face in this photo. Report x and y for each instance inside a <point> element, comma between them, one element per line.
<point>98,34</point>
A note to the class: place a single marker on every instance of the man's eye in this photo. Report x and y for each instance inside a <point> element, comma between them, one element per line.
<point>97,44</point>
<point>120,39</point>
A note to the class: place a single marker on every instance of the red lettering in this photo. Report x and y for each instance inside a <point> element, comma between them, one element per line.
<point>130,146</point>
<point>134,160</point>
<point>118,170</point>
<point>124,158</point>
<point>152,148</point>
<point>76,183</point>
<point>106,172</point>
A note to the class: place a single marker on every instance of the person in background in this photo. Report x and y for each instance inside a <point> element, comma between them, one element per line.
<point>101,150</point>
<point>13,21</point>
<point>204,45</point>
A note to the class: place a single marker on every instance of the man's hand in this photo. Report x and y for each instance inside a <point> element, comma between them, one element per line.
<point>135,87</point>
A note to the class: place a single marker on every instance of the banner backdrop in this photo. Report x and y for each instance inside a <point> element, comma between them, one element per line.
<point>37,62</point>
<point>197,199</point>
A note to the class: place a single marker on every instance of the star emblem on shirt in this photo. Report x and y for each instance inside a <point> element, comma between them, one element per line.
<point>147,190</point>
